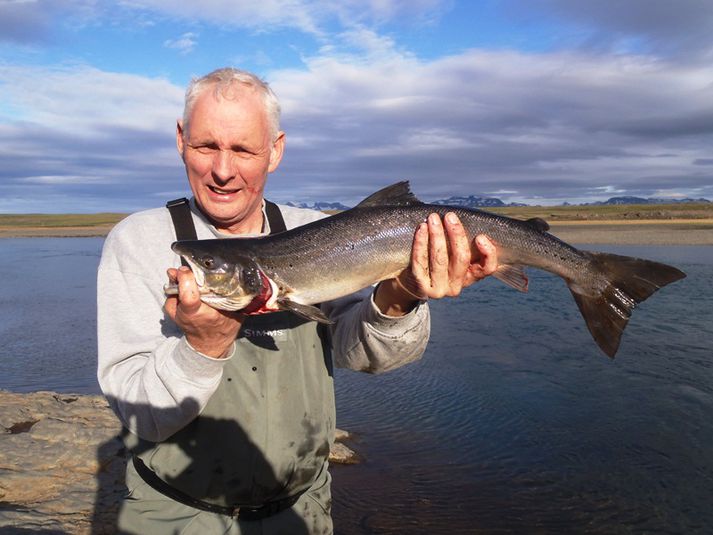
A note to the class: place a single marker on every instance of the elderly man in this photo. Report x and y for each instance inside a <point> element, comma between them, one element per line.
<point>230,417</point>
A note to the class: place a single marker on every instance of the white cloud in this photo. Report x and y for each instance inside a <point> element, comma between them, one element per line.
<point>310,16</point>
<point>540,124</point>
<point>61,179</point>
<point>80,135</point>
<point>184,44</point>
<point>87,102</point>
<point>548,126</point>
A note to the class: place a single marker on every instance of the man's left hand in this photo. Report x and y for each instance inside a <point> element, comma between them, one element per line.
<point>443,262</point>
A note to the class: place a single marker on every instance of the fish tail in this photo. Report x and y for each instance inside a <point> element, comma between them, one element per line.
<point>627,282</point>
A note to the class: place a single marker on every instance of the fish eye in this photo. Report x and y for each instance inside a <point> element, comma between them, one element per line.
<point>208,262</point>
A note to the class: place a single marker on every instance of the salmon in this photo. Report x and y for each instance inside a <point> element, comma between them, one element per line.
<point>336,256</point>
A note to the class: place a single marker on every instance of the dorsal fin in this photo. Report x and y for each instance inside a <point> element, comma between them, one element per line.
<point>398,194</point>
<point>538,224</point>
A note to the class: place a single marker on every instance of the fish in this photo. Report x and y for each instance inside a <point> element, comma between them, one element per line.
<point>333,257</point>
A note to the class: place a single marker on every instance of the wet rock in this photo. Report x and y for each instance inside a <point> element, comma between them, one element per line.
<point>60,455</point>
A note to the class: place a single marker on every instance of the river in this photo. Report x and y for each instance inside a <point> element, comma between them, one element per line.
<point>513,422</point>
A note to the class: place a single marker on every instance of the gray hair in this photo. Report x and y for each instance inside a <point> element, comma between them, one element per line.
<point>221,80</point>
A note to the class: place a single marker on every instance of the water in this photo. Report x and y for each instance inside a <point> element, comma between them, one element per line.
<point>513,422</point>
<point>48,314</point>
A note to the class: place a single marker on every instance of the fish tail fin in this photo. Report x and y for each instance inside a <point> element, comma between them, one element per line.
<point>628,281</point>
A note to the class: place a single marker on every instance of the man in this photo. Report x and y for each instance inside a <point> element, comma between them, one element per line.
<point>230,417</point>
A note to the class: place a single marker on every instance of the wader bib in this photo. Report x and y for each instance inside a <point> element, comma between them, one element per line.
<point>264,437</point>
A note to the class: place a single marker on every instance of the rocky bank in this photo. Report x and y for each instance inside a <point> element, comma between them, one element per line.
<point>62,463</point>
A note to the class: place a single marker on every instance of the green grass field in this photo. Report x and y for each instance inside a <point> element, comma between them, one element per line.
<point>606,212</point>
<point>59,220</point>
<point>549,213</point>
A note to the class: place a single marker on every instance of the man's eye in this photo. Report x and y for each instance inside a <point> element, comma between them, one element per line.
<point>205,149</point>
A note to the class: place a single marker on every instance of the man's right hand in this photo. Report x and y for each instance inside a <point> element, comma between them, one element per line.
<point>208,330</point>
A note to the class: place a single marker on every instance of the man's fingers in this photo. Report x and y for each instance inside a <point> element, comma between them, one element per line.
<point>419,253</point>
<point>437,255</point>
<point>485,262</point>
<point>188,293</point>
<point>459,260</point>
<point>489,257</point>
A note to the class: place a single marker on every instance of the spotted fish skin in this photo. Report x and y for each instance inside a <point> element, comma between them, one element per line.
<point>341,254</point>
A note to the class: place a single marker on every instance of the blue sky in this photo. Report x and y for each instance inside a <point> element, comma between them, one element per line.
<point>536,101</point>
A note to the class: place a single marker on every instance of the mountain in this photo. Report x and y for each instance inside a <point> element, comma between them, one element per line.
<point>320,205</point>
<point>474,201</point>
<point>641,200</point>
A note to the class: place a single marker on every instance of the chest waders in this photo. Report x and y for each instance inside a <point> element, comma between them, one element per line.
<point>264,437</point>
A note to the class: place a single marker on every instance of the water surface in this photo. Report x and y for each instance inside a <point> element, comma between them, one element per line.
<point>513,422</point>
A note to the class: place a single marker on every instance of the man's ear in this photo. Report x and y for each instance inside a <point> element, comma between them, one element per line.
<point>276,151</point>
<point>179,137</point>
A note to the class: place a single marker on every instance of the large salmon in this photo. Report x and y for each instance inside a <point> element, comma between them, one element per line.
<point>338,255</point>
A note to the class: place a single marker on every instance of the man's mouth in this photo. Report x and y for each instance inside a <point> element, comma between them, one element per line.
<point>221,191</point>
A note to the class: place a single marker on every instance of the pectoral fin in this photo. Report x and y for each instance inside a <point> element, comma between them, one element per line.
<point>512,275</point>
<point>306,311</point>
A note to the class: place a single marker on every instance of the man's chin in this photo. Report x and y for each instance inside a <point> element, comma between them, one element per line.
<point>223,216</point>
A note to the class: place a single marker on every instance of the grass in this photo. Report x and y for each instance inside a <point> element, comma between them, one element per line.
<point>59,220</point>
<point>630,212</point>
<point>611,213</point>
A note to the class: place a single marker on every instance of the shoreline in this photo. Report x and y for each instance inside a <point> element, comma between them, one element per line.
<point>642,232</point>
<point>605,232</point>
<point>62,462</point>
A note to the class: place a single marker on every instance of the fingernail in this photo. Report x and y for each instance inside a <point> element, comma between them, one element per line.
<point>435,219</point>
<point>451,218</point>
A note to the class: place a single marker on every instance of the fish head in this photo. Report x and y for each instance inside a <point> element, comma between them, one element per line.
<point>225,284</point>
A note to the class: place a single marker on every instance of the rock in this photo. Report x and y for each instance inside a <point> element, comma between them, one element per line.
<point>60,455</point>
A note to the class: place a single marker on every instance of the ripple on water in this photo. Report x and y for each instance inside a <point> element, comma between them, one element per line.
<point>515,422</point>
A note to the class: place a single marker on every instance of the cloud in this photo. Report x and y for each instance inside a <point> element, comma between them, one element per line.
<point>309,16</point>
<point>363,112</point>
<point>682,28</point>
<point>547,126</point>
<point>34,21</point>
<point>184,44</point>
<point>78,133</point>
<point>87,102</point>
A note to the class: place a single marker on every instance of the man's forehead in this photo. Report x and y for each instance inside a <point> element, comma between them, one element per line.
<point>234,118</point>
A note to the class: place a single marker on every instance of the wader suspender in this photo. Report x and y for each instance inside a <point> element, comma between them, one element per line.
<point>185,229</point>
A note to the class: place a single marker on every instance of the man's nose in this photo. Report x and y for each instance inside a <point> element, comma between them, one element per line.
<point>224,168</point>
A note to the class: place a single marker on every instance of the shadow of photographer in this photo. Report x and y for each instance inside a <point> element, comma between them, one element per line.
<point>198,465</point>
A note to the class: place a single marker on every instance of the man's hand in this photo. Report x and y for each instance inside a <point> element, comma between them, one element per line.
<point>209,331</point>
<point>442,264</point>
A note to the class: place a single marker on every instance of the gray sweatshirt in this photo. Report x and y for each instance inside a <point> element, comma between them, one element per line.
<point>157,384</point>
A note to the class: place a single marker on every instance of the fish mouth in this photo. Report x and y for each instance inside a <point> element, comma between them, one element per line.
<point>198,272</point>
<point>195,268</point>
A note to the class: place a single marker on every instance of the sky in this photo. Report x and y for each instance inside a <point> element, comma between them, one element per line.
<point>534,101</point>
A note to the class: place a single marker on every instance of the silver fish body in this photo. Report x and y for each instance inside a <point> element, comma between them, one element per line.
<point>346,252</point>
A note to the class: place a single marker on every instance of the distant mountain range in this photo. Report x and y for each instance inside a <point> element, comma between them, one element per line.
<point>474,201</point>
<point>641,200</point>
<point>319,205</point>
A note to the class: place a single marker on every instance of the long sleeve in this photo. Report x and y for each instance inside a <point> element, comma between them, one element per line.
<point>364,339</point>
<point>154,381</point>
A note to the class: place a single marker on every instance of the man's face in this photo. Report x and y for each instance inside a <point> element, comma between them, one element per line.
<point>228,153</point>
